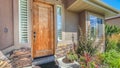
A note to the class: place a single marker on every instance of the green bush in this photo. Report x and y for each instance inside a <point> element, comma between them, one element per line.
<point>112,37</point>
<point>86,44</point>
<point>87,50</point>
<point>111,29</point>
<point>111,58</point>
<point>112,45</point>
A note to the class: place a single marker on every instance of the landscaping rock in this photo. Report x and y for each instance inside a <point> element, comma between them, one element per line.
<point>61,51</point>
<point>21,58</point>
<point>4,62</point>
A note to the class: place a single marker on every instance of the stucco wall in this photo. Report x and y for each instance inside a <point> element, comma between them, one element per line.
<point>6,24</point>
<point>71,25</point>
<point>114,21</point>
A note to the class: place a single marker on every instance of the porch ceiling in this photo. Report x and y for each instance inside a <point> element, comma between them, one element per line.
<point>94,6</point>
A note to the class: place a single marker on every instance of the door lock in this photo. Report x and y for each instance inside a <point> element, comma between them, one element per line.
<point>34,35</point>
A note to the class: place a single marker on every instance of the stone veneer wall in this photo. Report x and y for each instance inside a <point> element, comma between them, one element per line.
<point>61,51</point>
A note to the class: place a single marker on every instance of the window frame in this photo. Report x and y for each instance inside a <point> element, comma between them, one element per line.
<point>97,16</point>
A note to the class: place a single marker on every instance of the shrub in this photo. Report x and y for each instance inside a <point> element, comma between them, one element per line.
<point>86,44</point>
<point>88,61</point>
<point>86,50</point>
<point>71,56</point>
<point>111,58</point>
<point>113,42</point>
<point>110,31</point>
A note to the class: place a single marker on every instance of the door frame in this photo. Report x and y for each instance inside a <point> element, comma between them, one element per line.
<point>32,20</point>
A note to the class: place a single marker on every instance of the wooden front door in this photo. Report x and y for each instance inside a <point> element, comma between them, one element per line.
<point>43,30</point>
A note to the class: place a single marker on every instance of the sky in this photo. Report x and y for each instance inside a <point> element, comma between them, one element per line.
<point>114,3</point>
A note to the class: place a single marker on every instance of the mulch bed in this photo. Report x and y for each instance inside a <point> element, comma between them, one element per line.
<point>21,58</point>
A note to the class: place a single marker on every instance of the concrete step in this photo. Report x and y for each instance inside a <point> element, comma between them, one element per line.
<point>43,60</point>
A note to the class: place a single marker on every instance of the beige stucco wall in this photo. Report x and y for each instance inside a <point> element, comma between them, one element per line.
<point>71,25</point>
<point>6,24</point>
<point>114,21</point>
<point>15,25</point>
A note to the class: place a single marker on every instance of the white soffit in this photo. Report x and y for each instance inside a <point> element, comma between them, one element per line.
<point>94,6</point>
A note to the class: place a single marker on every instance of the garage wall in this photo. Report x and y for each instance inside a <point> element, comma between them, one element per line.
<point>114,21</point>
<point>6,24</point>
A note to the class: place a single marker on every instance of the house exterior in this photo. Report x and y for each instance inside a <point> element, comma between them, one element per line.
<point>49,27</point>
<point>114,20</point>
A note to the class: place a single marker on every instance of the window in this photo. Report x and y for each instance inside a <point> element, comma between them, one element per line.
<point>100,27</point>
<point>59,23</point>
<point>23,21</point>
<point>96,26</point>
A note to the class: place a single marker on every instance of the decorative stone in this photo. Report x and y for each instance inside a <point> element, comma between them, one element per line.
<point>21,58</point>
<point>61,51</point>
<point>4,62</point>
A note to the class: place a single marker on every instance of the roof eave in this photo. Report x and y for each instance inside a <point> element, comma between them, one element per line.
<point>102,6</point>
<point>98,7</point>
<point>105,5</point>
